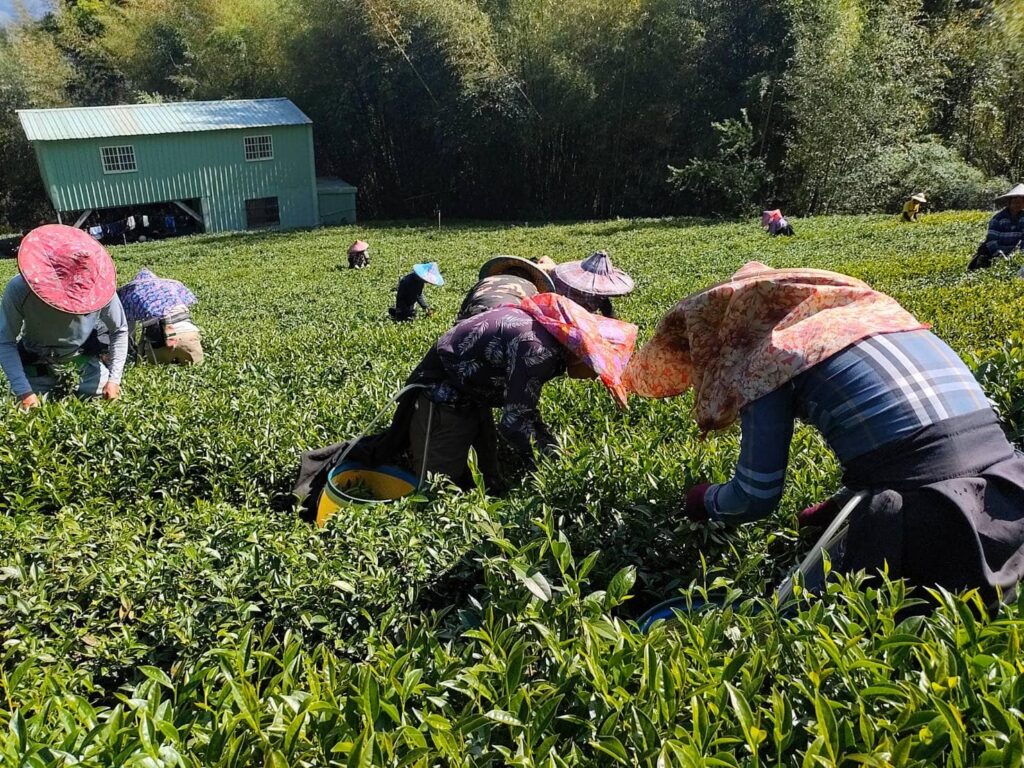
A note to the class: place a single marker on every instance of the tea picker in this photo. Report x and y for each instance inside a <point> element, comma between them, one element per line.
<point>775,224</point>
<point>359,255</point>
<point>62,326</point>
<point>593,282</point>
<point>409,291</point>
<point>497,359</point>
<point>502,358</point>
<point>507,280</point>
<point>1005,231</point>
<point>161,307</point>
<point>910,425</point>
<point>912,208</point>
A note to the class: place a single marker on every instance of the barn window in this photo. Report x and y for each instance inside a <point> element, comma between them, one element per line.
<point>262,212</point>
<point>118,159</point>
<point>259,148</point>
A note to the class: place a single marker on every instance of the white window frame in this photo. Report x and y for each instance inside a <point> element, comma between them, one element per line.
<point>261,143</point>
<point>119,153</point>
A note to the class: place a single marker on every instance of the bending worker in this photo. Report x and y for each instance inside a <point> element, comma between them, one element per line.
<point>54,314</point>
<point>775,224</point>
<point>1005,230</point>
<point>161,306</point>
<point>502,359</point>
<point>507,280</point>
<point>912,208</point>
<point>902,412</point>
<point>359,255</point>
<point>593,282</point>
<point>409,291</point>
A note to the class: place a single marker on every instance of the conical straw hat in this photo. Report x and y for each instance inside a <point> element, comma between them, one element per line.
<point>1017,191</point>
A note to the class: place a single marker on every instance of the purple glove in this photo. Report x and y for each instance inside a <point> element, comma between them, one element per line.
<point>818,515</point>
<point>695,509</point>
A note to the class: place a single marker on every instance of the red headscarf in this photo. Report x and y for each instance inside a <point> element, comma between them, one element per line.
<point>603,344</point>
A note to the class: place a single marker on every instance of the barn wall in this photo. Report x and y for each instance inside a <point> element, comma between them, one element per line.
<point>209,165</point>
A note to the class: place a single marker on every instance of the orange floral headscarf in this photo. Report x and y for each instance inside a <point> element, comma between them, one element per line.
<point>602,343</point>
<point>741,339</point>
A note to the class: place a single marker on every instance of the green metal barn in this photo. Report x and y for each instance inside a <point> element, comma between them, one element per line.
<point>226,165</point>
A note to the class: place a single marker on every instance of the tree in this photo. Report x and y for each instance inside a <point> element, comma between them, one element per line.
<point>854,89</point>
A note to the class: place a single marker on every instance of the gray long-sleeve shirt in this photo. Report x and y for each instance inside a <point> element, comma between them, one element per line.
<point>53,335</point>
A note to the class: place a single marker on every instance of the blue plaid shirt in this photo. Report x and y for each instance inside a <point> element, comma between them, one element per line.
<point>1005,233</point>
<point>875,391</point>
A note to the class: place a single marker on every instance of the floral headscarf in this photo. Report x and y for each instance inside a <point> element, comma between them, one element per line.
<point>148,296</point>
<point>746,337</point>
<point>603,344</point>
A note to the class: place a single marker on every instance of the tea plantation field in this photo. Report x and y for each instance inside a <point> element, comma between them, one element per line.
<point>162,605</point>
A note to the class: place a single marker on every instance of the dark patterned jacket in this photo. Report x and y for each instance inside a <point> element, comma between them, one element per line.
<point>502,359</point>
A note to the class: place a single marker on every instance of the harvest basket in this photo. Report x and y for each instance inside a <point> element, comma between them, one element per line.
<point>383,483</point>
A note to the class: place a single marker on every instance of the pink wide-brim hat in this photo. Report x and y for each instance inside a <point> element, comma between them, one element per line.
<point>67,269</point>
<point>359,246</point>
<point>594,276</point>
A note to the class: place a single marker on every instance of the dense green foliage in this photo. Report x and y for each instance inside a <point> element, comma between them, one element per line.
<point>541,109</point>
<point>161,604</point>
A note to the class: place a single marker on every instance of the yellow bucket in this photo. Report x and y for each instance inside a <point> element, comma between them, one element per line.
<point>385,482</point>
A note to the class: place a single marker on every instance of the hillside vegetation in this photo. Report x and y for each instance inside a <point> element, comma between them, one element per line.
<point>161,604</point>
<point>549,109</point>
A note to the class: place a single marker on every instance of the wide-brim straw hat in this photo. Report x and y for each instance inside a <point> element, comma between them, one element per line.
<point>919,197</point>
<point>501,264</point>
<point>594,276</point>
<point>1017,191</point>
<point>359,246</point>
<point>430,272</point>
<point>67,269</point>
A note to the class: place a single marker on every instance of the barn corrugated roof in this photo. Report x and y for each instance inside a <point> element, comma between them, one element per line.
<point>147,119</point>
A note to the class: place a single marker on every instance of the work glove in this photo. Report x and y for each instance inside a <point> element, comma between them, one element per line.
<point>29,401</point>
<point>824,512</point>
<point>694,508</point>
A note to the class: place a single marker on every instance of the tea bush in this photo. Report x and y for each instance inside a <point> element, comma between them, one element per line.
<point>162,605</point>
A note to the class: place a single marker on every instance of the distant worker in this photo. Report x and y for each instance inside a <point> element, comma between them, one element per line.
<point>507,280</point>
<point>593,282</point>
<point>1005,230</point>
<point>912,208</point>
<point>775,224</point>
<point>161,306</point>
<point>62,326</point>
<point>359,255</point>
<point>409,291</point>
